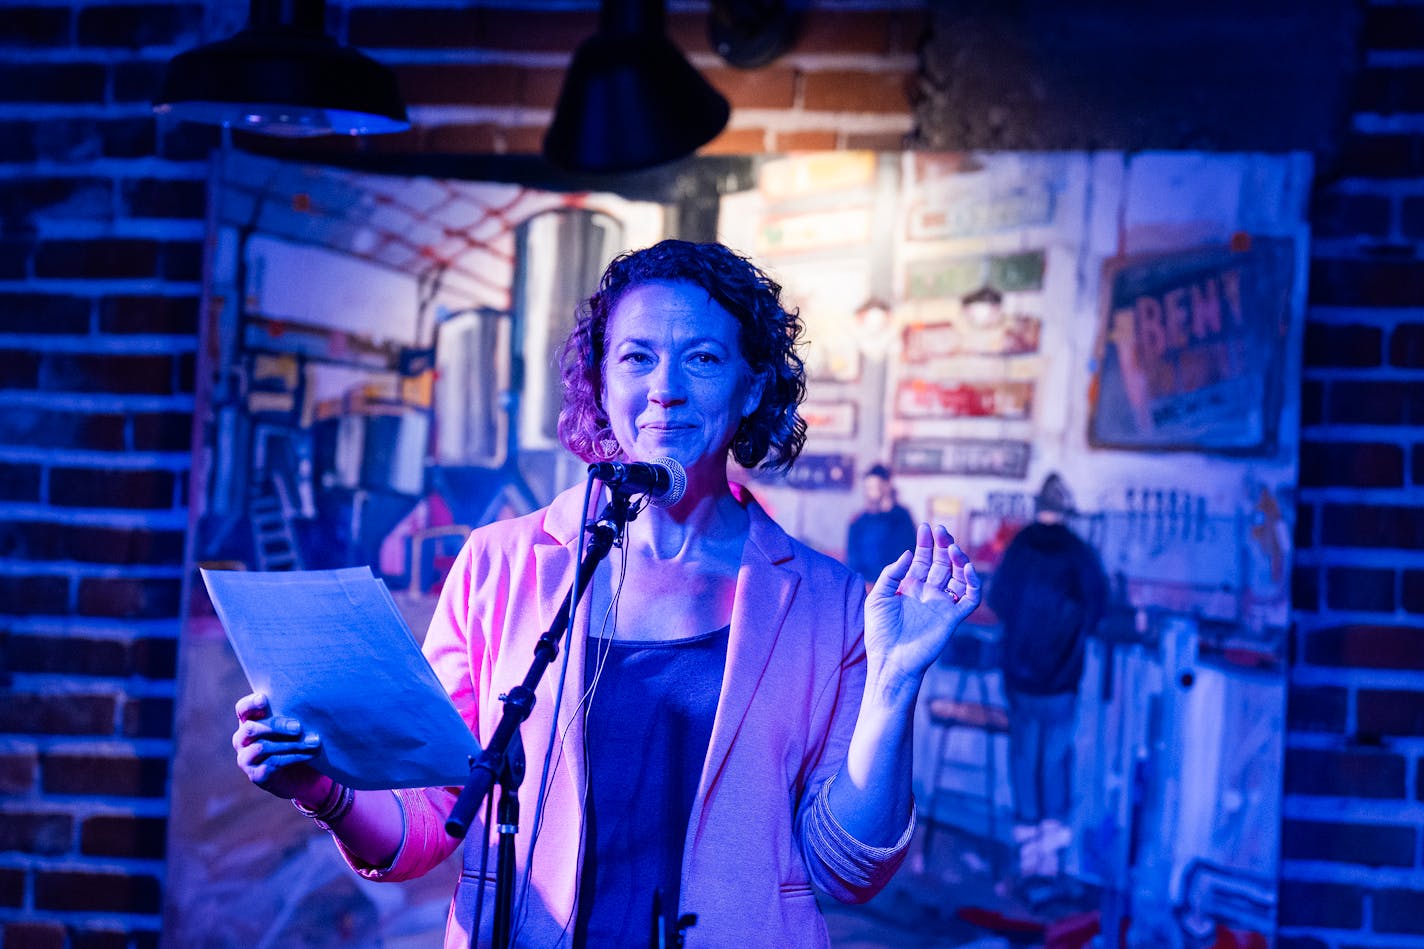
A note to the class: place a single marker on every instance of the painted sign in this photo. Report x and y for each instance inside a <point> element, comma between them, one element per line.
<point>813,472</point>
<point>917,398</point>
<point>996,457</point>
<point>829,419</point>
<point>959,276</point>
<point>1192,348</point>
<point>1016,334</point>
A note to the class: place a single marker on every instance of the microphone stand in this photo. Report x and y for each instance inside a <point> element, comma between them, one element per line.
<point>486,768</point>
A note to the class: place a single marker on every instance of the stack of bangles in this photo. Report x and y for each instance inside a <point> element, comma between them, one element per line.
<point>337,805</point>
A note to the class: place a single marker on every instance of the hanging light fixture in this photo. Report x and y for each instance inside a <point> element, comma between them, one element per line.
<point>282,75</point>
<point>630,99</point>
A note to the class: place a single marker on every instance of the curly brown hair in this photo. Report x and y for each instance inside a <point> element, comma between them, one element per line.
<point>773,434</point>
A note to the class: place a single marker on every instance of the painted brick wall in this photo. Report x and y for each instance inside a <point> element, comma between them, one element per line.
<point>1351,837</point>
<point>101,231</point>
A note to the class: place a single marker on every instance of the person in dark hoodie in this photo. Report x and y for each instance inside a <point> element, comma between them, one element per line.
<point>1049,592</point>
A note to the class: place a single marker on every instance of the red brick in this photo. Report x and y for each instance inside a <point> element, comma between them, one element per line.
<point>1372,526</point>
<point>1357,464</point>
<point>738,141</point>
<point>139,26</point>
<point>1383,283</point>
<point>1387,155</point>
<point>69,655</point>
<point>856,91</point>
<point>804,141</point>
<point>183,260</point>
<point>12,887</point>
<point>164,198</point>
<point>1322,709</point>
<point>148,717</point>
<point>462,139</point>
<point>1335,213</point>
<point>1305,525</point>
<point>539,88</point>
<point>45,428</point>
<point>33,935</point>
<point>96,487</point>
<point>18,369</point>
<point>122,545</point>
<point>869,32</point>
<point>163,431</point>
<point>18,770</point>
<point>1373,845</point>
<point>1412,590</point>
<point>876,141</point>
<point>15,258</point>
<point>75,891</point>
<point>1374,403</point>
<point>155,658</point>
<point>536,30</point>
<point>20,482</point>
<point>1336,905</point>
<point>460,84</point>
<point>106,775</point>
<point>773,87</point>
<point>1397,910</point>
<point>1406,346</point>
<point>58,82</point>
<point>1389,89</point>
<point>1353,345</point>
<point>27,595</point>
<point>34,26</point>
<point>129,598</point>
<point>67,714</point>
<point>1364,773</point>
<point>130,375</point>
<point>44,313</point>
<point>1305,588</point>
<point>1359,589</point>
<point>523,140</point>
<point>25,200</point>
<point>1366,646</point>
<point>33,832</point>
<point>138,837</point>
<point>1392,27</point>
<point>411,27</point>
<point>97,258</point>
<point>1389,712</point>
<point>137,80</point>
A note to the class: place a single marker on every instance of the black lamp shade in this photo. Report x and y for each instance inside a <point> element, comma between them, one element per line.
<point>285,82</point>
<point>630,101</point>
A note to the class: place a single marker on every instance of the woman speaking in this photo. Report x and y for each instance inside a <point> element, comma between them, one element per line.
<point>734,726</point>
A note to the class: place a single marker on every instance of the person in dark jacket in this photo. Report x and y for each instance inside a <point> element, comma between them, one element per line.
<point>881,532</point>
<point>1049,592</point>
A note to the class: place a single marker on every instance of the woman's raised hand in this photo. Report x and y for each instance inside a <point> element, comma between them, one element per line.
<point>914,607</point>
<point>276,753</point>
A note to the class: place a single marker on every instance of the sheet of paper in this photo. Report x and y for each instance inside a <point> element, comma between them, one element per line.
<point>329,647</point>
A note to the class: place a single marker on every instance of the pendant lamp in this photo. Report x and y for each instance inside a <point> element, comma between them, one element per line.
<point>283,76</point>
<point>630,99</point>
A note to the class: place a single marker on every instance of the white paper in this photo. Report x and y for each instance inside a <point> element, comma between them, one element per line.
<point>329,647</point>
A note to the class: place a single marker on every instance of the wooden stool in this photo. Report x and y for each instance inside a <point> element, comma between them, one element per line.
<point>949,714</point>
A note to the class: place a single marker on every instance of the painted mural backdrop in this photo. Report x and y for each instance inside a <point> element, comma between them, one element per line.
<point>376,380</point>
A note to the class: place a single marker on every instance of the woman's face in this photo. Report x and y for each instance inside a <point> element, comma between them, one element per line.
<point>675,382</point>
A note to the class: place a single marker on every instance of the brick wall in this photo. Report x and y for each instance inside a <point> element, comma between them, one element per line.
<point>1354,771</point>
<point>101,230</point>
<point>100,256</point>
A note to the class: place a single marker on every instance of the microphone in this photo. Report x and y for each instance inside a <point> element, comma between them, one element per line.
<point>663,480</point>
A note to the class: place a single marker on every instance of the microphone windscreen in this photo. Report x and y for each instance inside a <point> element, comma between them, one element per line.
<point>677,488</point>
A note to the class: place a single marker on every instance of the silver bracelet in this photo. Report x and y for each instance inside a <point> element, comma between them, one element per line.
<point>338,803</point>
